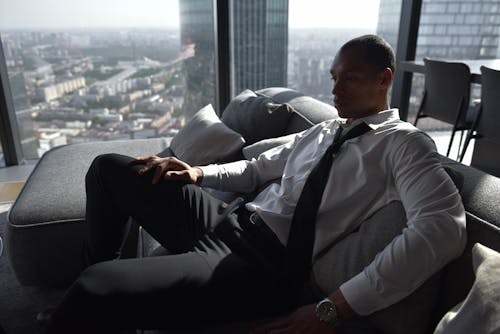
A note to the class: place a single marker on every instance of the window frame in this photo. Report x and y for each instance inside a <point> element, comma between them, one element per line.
<point>407,41</point>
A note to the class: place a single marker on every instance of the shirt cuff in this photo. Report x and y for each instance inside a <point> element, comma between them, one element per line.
<point>210,176</point>
<point>360,294</point>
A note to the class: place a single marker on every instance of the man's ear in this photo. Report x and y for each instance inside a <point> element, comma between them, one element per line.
<point>386,77</point>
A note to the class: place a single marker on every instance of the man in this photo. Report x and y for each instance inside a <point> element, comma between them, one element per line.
<point>229,260</point>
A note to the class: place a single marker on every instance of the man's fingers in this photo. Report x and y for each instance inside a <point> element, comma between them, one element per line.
<point>176,164</point>
<point>157,175</point>
<point>177,175</point>
<point>182,175</point>
<point>142,159</point>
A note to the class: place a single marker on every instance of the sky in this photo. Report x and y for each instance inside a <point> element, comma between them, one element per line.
<point>47,14</point>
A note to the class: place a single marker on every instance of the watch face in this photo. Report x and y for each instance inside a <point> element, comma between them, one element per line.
<point>326,311</point>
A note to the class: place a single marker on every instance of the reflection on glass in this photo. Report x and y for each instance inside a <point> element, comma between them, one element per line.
<point>72,85</point>
<point>197,42</point>
<point>2,158</point>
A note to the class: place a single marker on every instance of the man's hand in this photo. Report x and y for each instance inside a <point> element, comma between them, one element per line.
<point>303,320</point>
<point>169,168</point>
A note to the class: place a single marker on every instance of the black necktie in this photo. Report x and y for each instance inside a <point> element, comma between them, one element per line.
<point>299,248</point>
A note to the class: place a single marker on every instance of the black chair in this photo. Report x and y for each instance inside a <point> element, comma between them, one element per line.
<point>446,95</point>
<point>485,127</point>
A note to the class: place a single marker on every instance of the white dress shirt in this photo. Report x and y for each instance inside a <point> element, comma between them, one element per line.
<point>394,161</point>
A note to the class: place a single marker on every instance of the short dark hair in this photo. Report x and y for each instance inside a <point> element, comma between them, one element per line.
<point>377,51</point>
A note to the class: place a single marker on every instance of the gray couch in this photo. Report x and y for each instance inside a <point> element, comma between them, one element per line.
<point>45,224</point>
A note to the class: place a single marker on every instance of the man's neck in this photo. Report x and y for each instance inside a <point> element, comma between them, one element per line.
<point>350,120</point>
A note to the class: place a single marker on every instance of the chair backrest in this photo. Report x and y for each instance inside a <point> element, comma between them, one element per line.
<point>489,121</point>
<point>447,87</point>
<point>487,145</point>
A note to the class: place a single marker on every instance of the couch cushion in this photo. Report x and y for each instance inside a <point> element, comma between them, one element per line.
<point>256,116</point>
<point>205,139</point>
<point>480,311</point>
<point>253,151</point>
<point>349,256</point>
<point>480,193</point>
<point>45,224</point>
<point>307,110</point>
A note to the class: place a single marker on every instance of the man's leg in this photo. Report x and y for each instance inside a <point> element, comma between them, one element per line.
<point>210,278</point>
<point>174,213</point>
<point>211,283</point>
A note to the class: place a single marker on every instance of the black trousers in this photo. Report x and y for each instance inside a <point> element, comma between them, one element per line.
<point>222,267</point>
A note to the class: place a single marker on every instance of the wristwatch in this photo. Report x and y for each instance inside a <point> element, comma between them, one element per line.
<point>327,312</point>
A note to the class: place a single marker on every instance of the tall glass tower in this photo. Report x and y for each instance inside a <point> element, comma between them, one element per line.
<point>259,44</point>
<point>259,47</point>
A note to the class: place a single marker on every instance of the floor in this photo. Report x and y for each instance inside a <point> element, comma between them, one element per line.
<point>15,173</point>
<point>18,305</point>
<point>9,191</point>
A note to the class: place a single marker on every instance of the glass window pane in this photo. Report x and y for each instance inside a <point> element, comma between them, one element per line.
<point>98,71</point>
<point>258,44</point>
<point>317,29</point>
<point>454,30</point>
<point>2,158</point>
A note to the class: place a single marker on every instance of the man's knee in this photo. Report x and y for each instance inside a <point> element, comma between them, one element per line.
<point>98,281</point>
<point>102,164</point>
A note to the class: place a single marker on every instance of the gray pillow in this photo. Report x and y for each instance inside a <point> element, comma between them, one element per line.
<point>256,149</point>
<point>205,139</point>
<point>480,310</point>
<point>256,117</point>
<point>350,255</point>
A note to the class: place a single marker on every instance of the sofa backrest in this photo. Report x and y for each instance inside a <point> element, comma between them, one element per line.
<point>308,110</point>
<point>480,193</point>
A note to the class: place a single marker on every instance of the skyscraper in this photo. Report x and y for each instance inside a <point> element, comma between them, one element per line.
<point>388,21</point>
<point>259,44</point>
<point>259,47</point>
<point>453,29</point>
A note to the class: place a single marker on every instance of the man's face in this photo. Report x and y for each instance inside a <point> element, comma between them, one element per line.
<point>357,86</point>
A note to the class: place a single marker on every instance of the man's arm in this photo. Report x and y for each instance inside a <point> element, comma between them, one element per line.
<point>245,176</point>
<point>434,236</point>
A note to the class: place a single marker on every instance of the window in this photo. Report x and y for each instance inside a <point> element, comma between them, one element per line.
<point>258,44</point>
<point>454,30</point>
<point>92,71</point>
<point>317,29</point>
<point>2,159</point>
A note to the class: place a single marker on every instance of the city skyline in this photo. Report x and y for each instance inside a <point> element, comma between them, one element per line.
<point>57,14</point>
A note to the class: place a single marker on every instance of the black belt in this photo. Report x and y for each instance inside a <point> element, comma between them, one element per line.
<point>256,226</point>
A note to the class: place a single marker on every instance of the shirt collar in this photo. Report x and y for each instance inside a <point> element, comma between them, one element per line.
<point>376,120</point>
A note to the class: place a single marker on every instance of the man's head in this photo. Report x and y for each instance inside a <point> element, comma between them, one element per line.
<point>362,73</point>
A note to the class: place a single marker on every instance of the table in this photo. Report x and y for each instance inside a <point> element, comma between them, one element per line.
<point>417,66</point>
